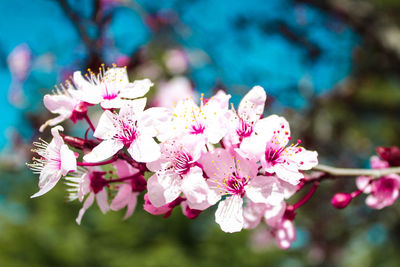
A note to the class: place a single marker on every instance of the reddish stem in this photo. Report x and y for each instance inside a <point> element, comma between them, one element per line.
<point>304,200</point>
<point>124,178</point>
<point>89,122</point>
<point>222,144</point>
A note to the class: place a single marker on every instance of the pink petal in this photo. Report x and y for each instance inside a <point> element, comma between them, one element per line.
<point>274,213</point>
<point>378,163</point>
<point>122,197</point>
<point>102,201</point>
<point>150,208</point>
<point>252,214</point>
<point>362,183</point>
<point>124,169</point>
<point>265,189</point>
<point>218,163</point>
<point>131,205</point>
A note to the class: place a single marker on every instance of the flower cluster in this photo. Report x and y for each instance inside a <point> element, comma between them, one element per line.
<point>193,155</point>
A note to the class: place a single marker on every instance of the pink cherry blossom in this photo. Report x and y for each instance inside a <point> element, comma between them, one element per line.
<point>208,122</point>
<point>235,177</point>
<point>268,144</point>
<point>250,110</point>
<point>90,183</point>
<point>19,61</point>
<point>110,88</point>
<point>171,92</point>
<point>383,191</point>
<point>131,128</point>
<point>176,173</point>
<point>63,103</point>
<point>284,233</point>
<point>56,160</point>
<point>127,191</point>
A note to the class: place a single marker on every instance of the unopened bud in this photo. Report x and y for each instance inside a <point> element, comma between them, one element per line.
<point>341,200</point>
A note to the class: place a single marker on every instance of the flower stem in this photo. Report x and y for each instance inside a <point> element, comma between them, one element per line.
<point>89,122</point>
<point>304,200</point>
<point>356,172</point>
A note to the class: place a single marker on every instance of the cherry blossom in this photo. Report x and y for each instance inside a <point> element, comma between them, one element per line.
<point>208,122</point>
<point>268,144</point>
<point>129,190</point>
<point>383,191</point>
<point>90,183</point>
<point>63,103</point>
<point>110,88</point>
<point>56,160</point>
<point>171,92</point>
<point>176,172</point>
<point>234,177</point>
<point>131,128</point>
<point>250,110</point>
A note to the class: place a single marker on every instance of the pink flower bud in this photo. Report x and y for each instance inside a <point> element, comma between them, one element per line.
<point>390,154</point>
<point>341,200</point>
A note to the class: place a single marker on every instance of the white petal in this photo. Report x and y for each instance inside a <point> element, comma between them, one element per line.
<point>68,160</point>
<point>229,214</point>
<point>50,182</point>
<point>103,151</point>
<point>88,202</point>
<point>196,190</point>
<point>144,149</point>
<point>252,105</point>
<point>163,188</point>
<point>136,89</point>
<point>107,126</point>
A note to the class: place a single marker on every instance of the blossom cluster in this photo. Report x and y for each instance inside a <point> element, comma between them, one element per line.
<point>192,155</point>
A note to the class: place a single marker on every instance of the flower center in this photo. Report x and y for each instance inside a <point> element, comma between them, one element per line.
<point>197,128</point>
<point>127,133</point>
<point>182,162</point>
<point>97,182</point>
<point>244,129</point>
<point>234,185</point>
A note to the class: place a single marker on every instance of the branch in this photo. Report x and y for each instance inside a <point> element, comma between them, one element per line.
<point>356,172</point>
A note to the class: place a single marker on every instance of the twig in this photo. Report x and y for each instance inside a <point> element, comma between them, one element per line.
<point>356,172</point>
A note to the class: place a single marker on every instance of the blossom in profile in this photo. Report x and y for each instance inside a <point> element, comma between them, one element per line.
<point>176,173</point>
<point>268,144</point>
<point>249,112</point>
<point>132,128</point>
<point>56,160</point>
<point>63,103</point>
<point>89,183</point>
<point>110,88</point>
<point>233,178</point>
<point>383,191</point>
<point>128,190</point>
